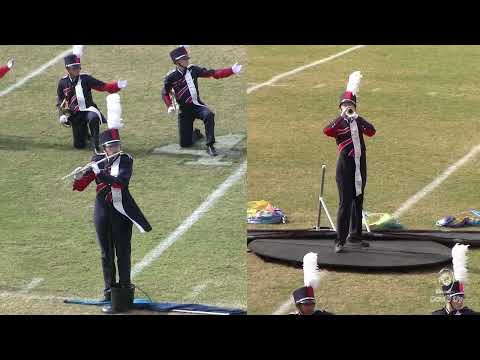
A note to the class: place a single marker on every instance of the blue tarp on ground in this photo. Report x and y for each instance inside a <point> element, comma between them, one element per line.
<point>144,304</point>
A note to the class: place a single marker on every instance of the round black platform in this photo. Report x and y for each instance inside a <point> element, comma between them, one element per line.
<point>396,254</point>
<point>449,238</point>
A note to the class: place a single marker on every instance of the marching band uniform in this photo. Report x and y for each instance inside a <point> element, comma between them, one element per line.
<point>76,106</point>
<point>184,83</point>
<point>115,211</point>
<point>453,286</point>
<point>351,172</point>
<point>311,278</point>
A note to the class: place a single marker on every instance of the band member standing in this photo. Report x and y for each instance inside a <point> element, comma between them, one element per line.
<point>6,68</point>
<point>75,102</point>
<point>115,209</point>
<point>453,285</point>
<point>351,174</point>
<point>304,297</point>
<point>184,82</point>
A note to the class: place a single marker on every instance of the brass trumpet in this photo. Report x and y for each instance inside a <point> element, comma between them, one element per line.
<point>350,112</point>
<point>64,108</point>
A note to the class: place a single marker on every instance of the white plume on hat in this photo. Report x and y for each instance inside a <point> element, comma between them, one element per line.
<point>114,108</point>
<point>78,50</point>
<point>311,273</point>
<point>459,260</point>
<point>354,82</point>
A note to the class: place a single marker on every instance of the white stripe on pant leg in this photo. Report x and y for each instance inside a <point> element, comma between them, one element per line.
<point>301,68</point>
<point>36,72</point>
<point>190,221</point>
<point>436,182</point>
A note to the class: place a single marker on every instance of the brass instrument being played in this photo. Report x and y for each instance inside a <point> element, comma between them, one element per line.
<point>350,112</point>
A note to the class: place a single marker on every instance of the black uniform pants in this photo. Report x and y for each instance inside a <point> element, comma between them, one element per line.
<point>84,122</point>
<point>187,116</point>
<point>114,234</point>
<point>349,215</point>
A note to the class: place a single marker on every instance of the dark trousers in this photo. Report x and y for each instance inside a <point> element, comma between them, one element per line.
<point>84,122</point>
<point>187,116</point>
<point>114,234</point>
<point>349,215</point>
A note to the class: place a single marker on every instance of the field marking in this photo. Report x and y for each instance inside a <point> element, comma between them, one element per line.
<point>287,305</point>
<point>301,68</point>
<point>33,284</point>
<point>190,221</point>
<point>196,291</point>
<point>284,308</point>
<point>25,296</point>
<point>436,182</point>
<point>36,72</point>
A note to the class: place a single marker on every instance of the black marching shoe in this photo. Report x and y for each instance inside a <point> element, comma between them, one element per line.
<point>356,241</point>
<point>196,136</point>
<point>211,150</point>
<point>338,247</point>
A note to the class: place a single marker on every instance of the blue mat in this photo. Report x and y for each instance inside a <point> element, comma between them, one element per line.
<point>144,304</point>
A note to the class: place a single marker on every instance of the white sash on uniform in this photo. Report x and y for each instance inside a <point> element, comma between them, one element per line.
<point>191,87</point>
<point>81,99</point>
<point>358,153</point>
<point>117,194</point>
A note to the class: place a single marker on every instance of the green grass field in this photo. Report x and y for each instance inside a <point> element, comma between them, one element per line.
<point>46,230</point>
<point>422,100</point>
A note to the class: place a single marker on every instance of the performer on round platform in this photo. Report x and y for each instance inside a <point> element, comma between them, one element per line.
<point>183,80</point>
<point>453,284</point>
<point>351,174</point>
<point>304,297</point>
<point>75,103</point>
<point>115,209</point>
<point>6,68</point>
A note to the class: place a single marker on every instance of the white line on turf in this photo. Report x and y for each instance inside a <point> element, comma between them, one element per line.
<point>301,68</point>
<point>436,182</point>
<point>196,291</point>
<point>35,72</point>
<point>190,221</point>
<point>284,308</point>
<point>31,285</point>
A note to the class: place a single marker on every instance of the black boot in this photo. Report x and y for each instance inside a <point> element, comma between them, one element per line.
<point>122,299</point>
<point>357,241</point>
<point>196,136</point>
<point>211,150</point>
<point>338,247</point>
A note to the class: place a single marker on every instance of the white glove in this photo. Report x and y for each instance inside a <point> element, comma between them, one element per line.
<point>63,119</point>
<point>122,84</point>
<point>10,63</point>
<point>95,169</point>
<point>79,175</point>
<point>236,68</point>
<point>170,109</point>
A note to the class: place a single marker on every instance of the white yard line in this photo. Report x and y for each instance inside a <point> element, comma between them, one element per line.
<point>31,285</point>
<point>35,72</point>
<point>190,221</point>
<point>24,296</point>
<point>436,182</point>
<point>301,68</point>
<point>284,308</point>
